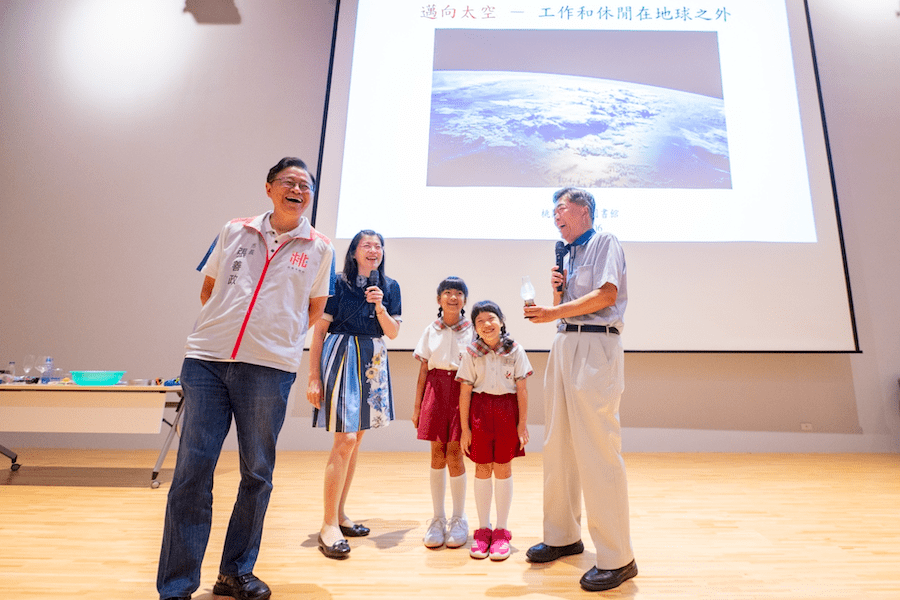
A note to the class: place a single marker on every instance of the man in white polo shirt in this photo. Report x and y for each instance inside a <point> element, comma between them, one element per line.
<point>267,278</point>
<point>582,388</point>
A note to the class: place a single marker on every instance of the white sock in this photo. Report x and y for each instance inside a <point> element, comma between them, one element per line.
<point>504,493</point>
<point>484,490</point>
<point>438,489</point>
<point>458,492</point>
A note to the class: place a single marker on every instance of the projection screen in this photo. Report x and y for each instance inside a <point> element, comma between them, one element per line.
<point>698,129</point>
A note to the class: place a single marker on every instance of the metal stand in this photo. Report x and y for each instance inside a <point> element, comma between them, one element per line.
<point>12,456</point>
<point>154,482</point>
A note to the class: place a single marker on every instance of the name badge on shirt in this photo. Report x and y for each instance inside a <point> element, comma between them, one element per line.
<point>509,367</point>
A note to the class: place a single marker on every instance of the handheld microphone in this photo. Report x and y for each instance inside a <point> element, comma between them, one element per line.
<point>373,281</point>
<point>560,254</point>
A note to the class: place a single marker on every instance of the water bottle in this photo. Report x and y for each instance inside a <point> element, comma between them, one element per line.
<point>9,375</point>
<point>527,291</point>
<point>48,370</point>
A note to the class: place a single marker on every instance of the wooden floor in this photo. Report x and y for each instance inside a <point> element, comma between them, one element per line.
<point>86,524</point>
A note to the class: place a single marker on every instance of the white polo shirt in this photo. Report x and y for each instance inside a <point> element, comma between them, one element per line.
<point>442,345</point>
<point>258,310</point>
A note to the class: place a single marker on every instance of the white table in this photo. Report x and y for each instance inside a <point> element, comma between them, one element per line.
<point>88,409</point>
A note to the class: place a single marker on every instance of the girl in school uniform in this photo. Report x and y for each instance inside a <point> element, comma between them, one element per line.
<point>436,412</point>
<point>493,408</point>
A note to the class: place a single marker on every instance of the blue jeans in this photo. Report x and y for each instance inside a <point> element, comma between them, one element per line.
<point>214,392</point>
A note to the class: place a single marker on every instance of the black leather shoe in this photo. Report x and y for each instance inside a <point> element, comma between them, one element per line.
<point>339,550</point>
<point>542,553</point>
<point>356,530</point>
<point>597,580</point>
<point>242,587</point>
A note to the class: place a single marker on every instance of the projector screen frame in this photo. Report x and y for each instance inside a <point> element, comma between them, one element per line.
<point>418,290</point>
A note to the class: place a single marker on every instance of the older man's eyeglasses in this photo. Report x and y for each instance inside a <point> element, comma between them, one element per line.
<point>292,183</point>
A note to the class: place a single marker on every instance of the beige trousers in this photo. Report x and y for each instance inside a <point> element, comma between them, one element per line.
<point>583,446</point>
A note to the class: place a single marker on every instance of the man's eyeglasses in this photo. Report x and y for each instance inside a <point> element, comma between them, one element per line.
<point>292,183</point>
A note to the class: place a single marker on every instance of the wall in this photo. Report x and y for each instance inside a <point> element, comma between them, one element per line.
<point>129,134</point>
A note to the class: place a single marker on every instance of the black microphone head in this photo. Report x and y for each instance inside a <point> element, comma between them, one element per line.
<point>373,278</point>
<point>560,249</point>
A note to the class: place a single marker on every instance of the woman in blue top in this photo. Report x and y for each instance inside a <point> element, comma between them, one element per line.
<point>349,381</point>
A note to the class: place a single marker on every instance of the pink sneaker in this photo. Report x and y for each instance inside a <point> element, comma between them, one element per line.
<point>500,544</point>
<point>481,543</point>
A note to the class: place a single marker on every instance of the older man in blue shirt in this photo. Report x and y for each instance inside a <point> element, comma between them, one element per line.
<point>582,389</point>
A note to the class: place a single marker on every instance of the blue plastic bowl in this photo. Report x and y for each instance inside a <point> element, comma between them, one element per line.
<point>97,377</point>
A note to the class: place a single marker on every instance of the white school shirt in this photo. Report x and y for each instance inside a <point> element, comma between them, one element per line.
<point>442,345</point>
<point>493,372</point>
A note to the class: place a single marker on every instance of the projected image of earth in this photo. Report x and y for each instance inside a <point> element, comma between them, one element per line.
<point>493,128</point>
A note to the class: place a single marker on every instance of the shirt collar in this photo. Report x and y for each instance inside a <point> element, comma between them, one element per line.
<point>582,239</point>
<point>303,230</point>
<point>266,226</point>
<point>478,349</point>
<point>460,325</point>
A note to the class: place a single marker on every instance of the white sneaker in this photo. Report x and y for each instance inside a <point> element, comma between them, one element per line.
<point>457,532</point>
<point>434,535</point>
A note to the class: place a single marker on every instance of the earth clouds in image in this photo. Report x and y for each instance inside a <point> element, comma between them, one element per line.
<point>502,128</point>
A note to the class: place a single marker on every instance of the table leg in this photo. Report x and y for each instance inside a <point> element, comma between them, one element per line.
<point>11,455</point>
<point>154,482</point>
